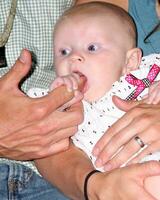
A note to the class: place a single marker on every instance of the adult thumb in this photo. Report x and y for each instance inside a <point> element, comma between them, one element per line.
<point>124,105</point>
<point>151,168</point>
<point>18,71</point>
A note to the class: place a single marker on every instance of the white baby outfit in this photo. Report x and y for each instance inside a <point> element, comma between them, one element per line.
<point>101,114</point>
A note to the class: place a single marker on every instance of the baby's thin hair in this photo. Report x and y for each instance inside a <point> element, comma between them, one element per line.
<point>102,8</point>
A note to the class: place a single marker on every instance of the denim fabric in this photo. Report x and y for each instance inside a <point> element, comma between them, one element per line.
<point>18,182</point>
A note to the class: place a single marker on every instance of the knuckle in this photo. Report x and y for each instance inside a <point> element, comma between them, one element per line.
<point>35,152</point>
<point>38,111</point>
<point>40,128</point>
<point>131,151</point>
<point>107,152</point>
<point>79,118</point>
<point>42,143</point>
<point>134,111</point>
<point>153,165</point>
<point>155,130</point>
<point>116,139</point>
<point>117,162</point>
<point>55,126</point>
<point>73,131</point>
<point>65,145</point>
<point>142,118</point>
<point>44,127</point>
<point>40,153</point>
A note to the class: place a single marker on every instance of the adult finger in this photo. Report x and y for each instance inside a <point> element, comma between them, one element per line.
<point>61,120</point>
<point>134,121</point>
<point>125,105</point>
<point>57,147</point>
<point>123,139</point>
<point>140,172</point>
<point>123,122</point>
<point>150,168</point>
<point>18,71</point>
<point>123,156</point>
<point>123,130</point>
<point>33,146</point>
<point>131,151</point>
<point>141,125</point>
<point>48,145</point>
<point>58,97</point>
<point>151,148</point>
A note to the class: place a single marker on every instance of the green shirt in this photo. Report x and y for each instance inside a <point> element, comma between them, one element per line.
<point>32,29</point>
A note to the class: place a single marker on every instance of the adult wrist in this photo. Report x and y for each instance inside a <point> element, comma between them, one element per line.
<point>87,183</point>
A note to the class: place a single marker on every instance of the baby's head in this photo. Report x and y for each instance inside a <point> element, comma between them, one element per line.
<point>97,40</point>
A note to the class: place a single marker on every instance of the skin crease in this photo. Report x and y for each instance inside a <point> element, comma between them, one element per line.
<point>72,160</point>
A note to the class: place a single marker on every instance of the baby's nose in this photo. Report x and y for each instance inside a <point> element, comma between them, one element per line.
<point>77,58</point>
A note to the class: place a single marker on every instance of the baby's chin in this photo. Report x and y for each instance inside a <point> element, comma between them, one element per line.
<point>90,97</point>
<point>94,95</point>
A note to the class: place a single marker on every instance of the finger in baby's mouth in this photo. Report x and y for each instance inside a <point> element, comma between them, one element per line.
<point>83,81</point>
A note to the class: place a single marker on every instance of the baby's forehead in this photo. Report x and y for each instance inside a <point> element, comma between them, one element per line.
<point>91,18</point>
<point>92,22</point>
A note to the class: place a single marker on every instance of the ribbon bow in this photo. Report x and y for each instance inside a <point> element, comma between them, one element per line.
<point>142,84</point>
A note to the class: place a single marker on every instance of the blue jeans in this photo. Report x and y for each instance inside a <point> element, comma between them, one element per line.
<point>18,182</point>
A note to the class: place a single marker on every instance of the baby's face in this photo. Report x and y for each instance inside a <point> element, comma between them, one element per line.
<point>92,47</point>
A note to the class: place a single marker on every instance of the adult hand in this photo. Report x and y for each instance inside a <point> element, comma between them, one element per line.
<point>33,128</point>
<point>123,183</point>
<point>141,119</point>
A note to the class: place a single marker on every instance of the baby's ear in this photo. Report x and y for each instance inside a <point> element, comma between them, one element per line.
<point>133,60</point>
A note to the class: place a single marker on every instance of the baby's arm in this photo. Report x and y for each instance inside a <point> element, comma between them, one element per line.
<point>153,96</point>
<point>71,81</point>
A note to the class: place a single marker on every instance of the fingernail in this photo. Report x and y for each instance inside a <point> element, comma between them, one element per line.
<point>95,151</point>
<point>69,89</point>
<point>22,56</point>
<point>78,94</point>
<point>75,87</point>
<point>108,167</point>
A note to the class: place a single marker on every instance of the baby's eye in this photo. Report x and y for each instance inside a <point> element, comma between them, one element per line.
<point>93,47</point>
<point>64,52</point>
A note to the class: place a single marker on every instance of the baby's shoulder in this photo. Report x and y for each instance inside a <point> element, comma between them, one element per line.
<point>149,60</point>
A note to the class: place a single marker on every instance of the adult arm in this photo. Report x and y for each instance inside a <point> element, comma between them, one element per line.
<point>121,3</point>
<point>67,170</point>
<point>33,128</point>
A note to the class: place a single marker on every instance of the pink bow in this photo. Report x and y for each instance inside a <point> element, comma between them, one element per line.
<point>142,84</point>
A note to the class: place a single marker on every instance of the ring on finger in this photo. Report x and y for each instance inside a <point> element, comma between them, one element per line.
<point>139,141</point>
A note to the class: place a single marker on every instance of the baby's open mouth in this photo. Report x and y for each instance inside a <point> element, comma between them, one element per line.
<point>83,82</point>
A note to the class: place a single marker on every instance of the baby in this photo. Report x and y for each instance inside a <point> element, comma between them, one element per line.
<point>98,40</point>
